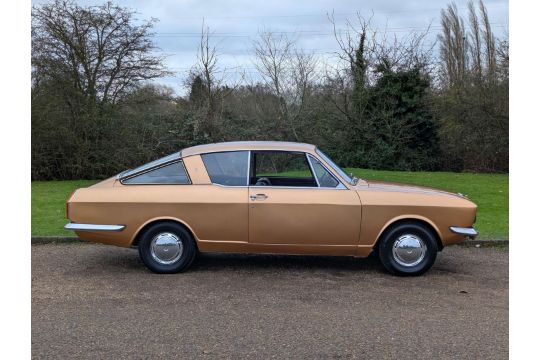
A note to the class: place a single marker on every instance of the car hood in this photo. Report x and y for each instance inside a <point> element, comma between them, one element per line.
<point>405,188</point>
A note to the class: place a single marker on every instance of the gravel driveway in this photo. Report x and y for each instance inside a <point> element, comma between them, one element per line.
<point>97,301</point>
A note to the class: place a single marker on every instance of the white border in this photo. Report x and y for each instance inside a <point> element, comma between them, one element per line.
<point>524,179</point>
<point>15,188</point>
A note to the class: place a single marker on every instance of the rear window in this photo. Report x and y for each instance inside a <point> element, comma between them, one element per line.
<point>173,173</point>
<point>227,168</point>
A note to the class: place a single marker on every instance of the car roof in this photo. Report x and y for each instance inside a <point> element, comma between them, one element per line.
<point>247,145</point>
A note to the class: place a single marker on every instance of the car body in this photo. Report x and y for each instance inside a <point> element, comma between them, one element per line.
<point>263,197</point>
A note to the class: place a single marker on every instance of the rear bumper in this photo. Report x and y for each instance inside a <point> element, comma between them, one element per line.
<point>469,232</point>
<point>93,227</point>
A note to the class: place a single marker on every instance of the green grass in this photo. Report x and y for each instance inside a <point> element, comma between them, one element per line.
<point>488,191</point>
<point>49,205</point>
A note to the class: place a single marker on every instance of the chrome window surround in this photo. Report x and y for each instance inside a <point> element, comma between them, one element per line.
<point>313,174</point>
<point>339,187</point>
<point>248,168</point>
<point>150,165</point>
<point>336,168</point>
<point>122,179</point>
<point>288,187</point>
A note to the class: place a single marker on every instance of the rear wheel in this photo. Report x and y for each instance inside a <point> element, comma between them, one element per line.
<point>408,249</point>
<point>167,248</point>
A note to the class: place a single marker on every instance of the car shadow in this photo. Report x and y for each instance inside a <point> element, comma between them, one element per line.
<point>128,261</point>
<point>224,261</point>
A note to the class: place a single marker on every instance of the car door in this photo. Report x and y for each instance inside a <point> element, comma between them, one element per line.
<point>224,210</point>
<point>288,205</point>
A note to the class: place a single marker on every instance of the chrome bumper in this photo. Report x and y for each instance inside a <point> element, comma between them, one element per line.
<point>470,232</point>
<point>93,227</point>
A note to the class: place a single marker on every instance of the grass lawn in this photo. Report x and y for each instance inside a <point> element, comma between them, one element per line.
<point>49,205</point>
<point>488,191</point>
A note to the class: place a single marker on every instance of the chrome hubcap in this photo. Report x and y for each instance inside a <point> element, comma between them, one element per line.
<point>166,248</point>
<point>409,250</point>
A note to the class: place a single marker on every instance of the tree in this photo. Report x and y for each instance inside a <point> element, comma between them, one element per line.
<point>85,61</point>
<point>471,102</point>
<point>208,91</point>
<point>289,74</point>
<point>96,52</point>
<point>401,133</point>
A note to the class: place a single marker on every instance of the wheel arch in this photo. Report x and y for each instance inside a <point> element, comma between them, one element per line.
<point>411,218</point>
<point>151,222</point>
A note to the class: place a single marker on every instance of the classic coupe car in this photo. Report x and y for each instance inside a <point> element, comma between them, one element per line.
<point>266,197</point>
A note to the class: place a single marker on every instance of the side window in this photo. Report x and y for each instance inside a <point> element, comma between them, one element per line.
<point>227,168</point>
<point>174,173</point>
<point>281,168</point>
<point>323,176</point>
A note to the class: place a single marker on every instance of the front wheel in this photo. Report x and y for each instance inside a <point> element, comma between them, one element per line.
<point>408,249</point>
<point>167,248</point>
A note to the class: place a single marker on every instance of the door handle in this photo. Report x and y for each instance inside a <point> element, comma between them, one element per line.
<point>258,197</point>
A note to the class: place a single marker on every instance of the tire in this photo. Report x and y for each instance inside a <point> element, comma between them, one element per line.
<point>167,248</point>
<point>408,249</point>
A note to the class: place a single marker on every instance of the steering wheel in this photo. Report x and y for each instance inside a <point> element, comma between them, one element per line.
<point>263,182</point>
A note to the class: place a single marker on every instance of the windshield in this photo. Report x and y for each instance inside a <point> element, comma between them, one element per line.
<point>151,164</point>
<point>334,166</point>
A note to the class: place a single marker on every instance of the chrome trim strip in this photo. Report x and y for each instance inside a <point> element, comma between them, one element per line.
<point>322,156</point>
<point>297,187</point>
<point>93,227</point>
<point>471,232</point>
<point>248,169</point>
<point>312,170</point>
<point>338,187</point>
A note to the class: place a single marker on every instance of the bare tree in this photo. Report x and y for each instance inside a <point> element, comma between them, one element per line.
<point>206,66</point>
<point>289,73</point>
<point>355,57</point>
<point>97,51</point>
<point>489,41</point>
<point>476,46</point>
<point>454,45</point>
<point>213,84</point>
<point>304,76</point>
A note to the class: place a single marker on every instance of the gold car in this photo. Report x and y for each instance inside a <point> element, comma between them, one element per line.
<point>266,197</point>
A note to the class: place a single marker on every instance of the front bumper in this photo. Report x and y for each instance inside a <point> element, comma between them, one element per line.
<point>469,232</point>
<point>93,227</point>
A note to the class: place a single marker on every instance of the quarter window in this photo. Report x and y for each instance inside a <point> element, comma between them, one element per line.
<point>227,168</point>
<point>323,176</point>
<point>174,173</point>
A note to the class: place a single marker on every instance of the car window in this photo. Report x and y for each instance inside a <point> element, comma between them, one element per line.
<point>281,168</point>
<point>336,168</point>
<point>151,164</point>
<point>323,176</point>
<point>174,173</point>
<point>227,168</point>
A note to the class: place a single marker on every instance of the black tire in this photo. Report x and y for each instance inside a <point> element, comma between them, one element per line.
<point>185,256</point>
<point>413,231</point>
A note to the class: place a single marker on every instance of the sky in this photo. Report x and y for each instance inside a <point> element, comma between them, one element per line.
<point>235,25</point>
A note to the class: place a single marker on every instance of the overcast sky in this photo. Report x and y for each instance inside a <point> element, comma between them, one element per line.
<point>236,23</point>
